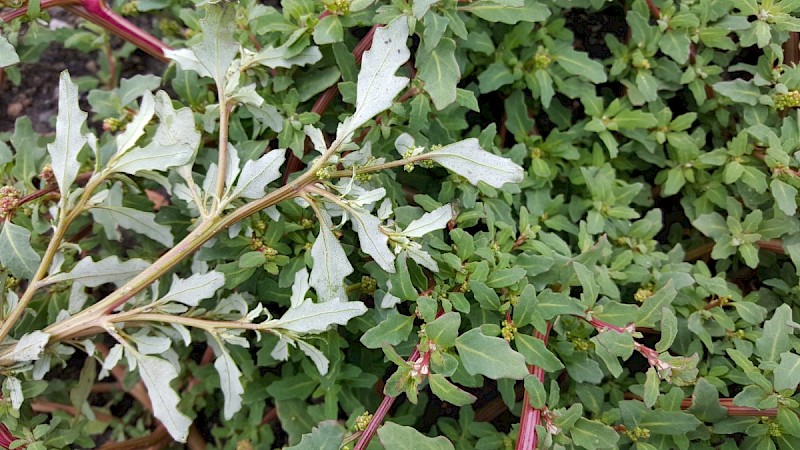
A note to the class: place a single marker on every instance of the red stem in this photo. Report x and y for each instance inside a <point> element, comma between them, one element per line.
<point>99,13</point>
<point>527,439</point>
<point>380,413</point>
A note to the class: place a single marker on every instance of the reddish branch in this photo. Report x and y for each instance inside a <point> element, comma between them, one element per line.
<point>380,413</point>
<point>527,439</point>
<point>99,13</point>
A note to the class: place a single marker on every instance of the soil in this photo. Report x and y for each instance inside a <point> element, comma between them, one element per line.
<point>36,97</point>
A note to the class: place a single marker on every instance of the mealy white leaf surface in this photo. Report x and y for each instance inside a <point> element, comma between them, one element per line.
<point>257,174</point>
<point>8,55</point>
<point>299,288</point>
<point>469,160</point>
<point>373,241</point>
<point>310,317</point>
<point>142,222</point>
<point>331,266</point>
<point>109,270</point>
<point>229,380</point>
<point>29,347</point>
<point>215,53</point>
<point>190,291</point>
<point>13,386</point>
<point>377,83</point>
<point>316,356</point>
<point>317,139</point>
<point>174,143</point>
<point>275,57</point>
<point>422,257</point>
<point>69,139</point>
<point>434,220</point>
<point>134,130</point>
<point>157,374</point>
<point>112,359</point>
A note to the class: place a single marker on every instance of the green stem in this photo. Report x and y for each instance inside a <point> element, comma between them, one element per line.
<point>379,167</point>
<point>86,322</point>
<point>208,325</point>
<point>64,221</point>
<point>222,162</point>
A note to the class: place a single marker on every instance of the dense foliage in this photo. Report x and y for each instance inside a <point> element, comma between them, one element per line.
<point>578,218</point>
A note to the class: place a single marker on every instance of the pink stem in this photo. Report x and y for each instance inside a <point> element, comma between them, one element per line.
<point>380,414</point>
<point>98,12</point>
<point>531,416</point>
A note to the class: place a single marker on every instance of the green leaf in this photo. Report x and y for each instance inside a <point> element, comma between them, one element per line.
<point>328,435</point>
<point>785,196</point>
<point>650,311</point>
<point>469,160</point>
<point>631,119</point>
<point>591,434</point>
<point>277,57</point>
<point>712,225</point>
<point>501,11</point>
<point>377,83</point>
<point>775,339</point>
<point>331,266</point>
<point>398,437</point>
<point>495,76</point>
<point>449,392</point>
<point>69,139</point>
<point>16,253</point>
<point>392,330</point>
<point>229,380</point>
<point>739,91</point>
<point>787,374</point>
<point>551,304</point>
<point>669,329</point>
<point>328,30</point>
<point>651,387</point>
<point>668,422</point>
<point>489,356</point>
<point>501,278</point>
<point>675,44</point>
<point>586,279</point>
<point>517,120</point>
<point>705,402</point>
<point>578,63</point>
<point>444,329</point>
<point>431,221</point>
<point>536,353</point>
<point>157,374</point>
<point>439,70</point>
<point>536,392</point>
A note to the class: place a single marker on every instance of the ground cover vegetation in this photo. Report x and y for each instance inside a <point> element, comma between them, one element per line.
<point>405,225</point>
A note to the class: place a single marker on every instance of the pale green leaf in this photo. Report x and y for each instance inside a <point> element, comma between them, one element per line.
<point>257,174</point>
<point>275,57</point>
<point>468,159</point>
<point>229,380</point>
<point>157,374</point>
<point>108,270</point>
<point>310,317</point>
<point>775,338</point>
<point>785,196</point>
<point>377,83</point>
<point>142,222</point>
<point>16,253</point>
<point>579,63</point>
<point>174,143</point>
<point>29,347</point>
<point>69,139</point>
<point>432,221</point>
<point>328,435</point>
<point>134,130</point>
<point>738,90</point>
<point>501,11</point>
<point>331,266</point>
<point>373,240</point>
<point>591,434</point>
<point>787,375</point>
<point>190,291</point>
<point>8,55</point>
